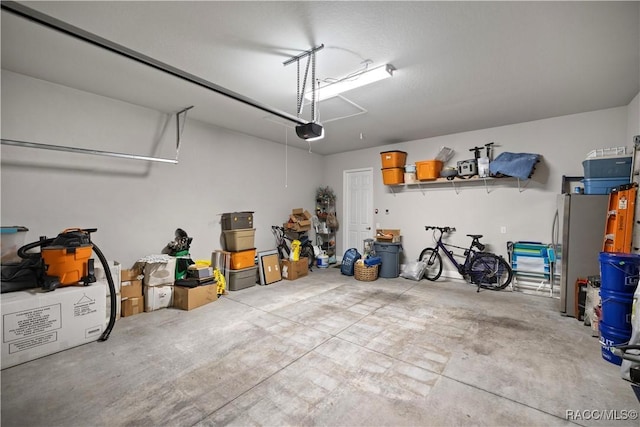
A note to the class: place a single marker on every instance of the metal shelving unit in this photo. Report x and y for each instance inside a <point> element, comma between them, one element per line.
<point>325,235</point>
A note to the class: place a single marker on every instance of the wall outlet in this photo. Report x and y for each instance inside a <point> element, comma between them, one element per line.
<point>503,230</point>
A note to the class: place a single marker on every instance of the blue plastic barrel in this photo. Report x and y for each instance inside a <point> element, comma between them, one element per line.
<point>611,337</point>
<point>619,272</point>
<point>616,309</point>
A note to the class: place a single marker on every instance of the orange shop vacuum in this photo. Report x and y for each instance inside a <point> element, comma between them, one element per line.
<point>66,260</point>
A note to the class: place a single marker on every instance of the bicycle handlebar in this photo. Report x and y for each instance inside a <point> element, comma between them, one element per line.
<point>441,229</point>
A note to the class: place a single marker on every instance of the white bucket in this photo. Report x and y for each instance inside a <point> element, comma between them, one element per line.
<point>323,261</point>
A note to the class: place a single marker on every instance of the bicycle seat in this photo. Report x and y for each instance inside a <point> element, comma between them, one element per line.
<point>475,236</point>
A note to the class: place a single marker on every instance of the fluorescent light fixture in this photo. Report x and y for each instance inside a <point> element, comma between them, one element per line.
<point>352,81</point>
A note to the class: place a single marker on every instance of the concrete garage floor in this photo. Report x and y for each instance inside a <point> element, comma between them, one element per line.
<point>328,350</point>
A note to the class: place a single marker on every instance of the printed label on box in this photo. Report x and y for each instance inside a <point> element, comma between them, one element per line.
<point>25,323</point>
<point>29,343</point>
<point>84,307</point>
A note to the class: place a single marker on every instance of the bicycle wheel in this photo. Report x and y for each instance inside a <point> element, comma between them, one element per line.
<point>434,263</point>
<point>490,271</point>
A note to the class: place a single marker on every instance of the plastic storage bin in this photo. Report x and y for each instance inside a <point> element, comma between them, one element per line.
<point>607,167</point>
<point>243,259</point>
<point>12,239</point>
<point>239,240</point>
<point>242,279</point>
<point>428,169</point>
<point>602,185</point>
<point>236,220</point>
<point>392,176</point>
<point>393,159</point>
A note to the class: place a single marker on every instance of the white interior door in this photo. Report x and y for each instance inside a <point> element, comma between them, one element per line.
<point>358,207</point>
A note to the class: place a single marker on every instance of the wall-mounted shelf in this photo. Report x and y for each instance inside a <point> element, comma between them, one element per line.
<point>457,183</point>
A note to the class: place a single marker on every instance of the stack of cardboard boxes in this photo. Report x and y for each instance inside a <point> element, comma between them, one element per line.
<point>299,222</point>
<point>131,292</point>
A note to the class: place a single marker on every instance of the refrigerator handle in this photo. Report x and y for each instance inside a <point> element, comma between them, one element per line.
<point>554,244</point>
<point>555,231</point>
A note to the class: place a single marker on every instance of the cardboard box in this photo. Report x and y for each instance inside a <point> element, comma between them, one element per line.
<point>131,289</point>
<point>292,270</point>
<point>190,298</point>
<point>160,273</point>
<point>132,306</point>
<point>299,220</point>
<point>128,274</point>
<point>388,235</point>
<point>37,323</point>
<point>157,297</point>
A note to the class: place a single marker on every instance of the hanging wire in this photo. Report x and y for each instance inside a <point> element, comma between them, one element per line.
<point>286,157</point>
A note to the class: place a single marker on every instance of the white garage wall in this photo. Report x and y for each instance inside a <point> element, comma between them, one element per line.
<point>563,142</point>
<point>137,205</point>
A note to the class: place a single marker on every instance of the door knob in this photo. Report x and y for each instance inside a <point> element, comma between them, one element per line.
<point>368,228</point>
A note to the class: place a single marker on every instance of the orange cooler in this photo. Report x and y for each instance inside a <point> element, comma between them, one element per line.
<point>393,159</point>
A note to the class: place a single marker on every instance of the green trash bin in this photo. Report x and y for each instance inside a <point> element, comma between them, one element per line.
<point>389,253</point>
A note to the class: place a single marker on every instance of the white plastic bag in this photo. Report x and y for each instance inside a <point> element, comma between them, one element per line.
<point>414,270</point>
<point>635,336</point>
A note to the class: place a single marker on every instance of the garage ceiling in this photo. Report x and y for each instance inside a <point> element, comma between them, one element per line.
<point>461,66</point>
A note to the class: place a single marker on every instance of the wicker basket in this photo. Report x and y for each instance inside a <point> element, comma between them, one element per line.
<point>364,273</point>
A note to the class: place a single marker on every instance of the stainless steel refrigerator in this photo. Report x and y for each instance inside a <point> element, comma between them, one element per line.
<point>577,237</point>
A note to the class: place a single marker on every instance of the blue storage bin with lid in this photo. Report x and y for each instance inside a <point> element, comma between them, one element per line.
<point>603,185</point>
<point>607,167</point>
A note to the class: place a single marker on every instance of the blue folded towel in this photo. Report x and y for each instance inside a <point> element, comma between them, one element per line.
<point>374,260</point>
<point>518,165</point>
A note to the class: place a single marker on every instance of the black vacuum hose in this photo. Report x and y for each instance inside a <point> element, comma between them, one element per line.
<point>22,252</point>
<point>112,293</point>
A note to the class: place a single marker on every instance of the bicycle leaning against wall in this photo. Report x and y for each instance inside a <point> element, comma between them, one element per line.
<point>283,245</point>
<point>484,269</point>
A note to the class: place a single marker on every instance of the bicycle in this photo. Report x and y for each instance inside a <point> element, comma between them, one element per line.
<point>283,243</point>
<point>484,269</point>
